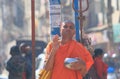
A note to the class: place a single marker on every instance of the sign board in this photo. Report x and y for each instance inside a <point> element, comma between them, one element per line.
<point>116,32</point>
<point>55,16</point>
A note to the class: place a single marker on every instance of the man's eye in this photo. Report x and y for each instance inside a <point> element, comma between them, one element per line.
<point>65,26</point>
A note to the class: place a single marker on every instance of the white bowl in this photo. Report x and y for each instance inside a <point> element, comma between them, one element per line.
<point>68,61</point>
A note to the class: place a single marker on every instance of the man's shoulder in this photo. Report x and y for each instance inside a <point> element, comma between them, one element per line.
<point>50,43</point>
<point>77,43</point>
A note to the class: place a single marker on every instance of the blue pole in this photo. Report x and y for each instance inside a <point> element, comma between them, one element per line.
<point>77,21</point>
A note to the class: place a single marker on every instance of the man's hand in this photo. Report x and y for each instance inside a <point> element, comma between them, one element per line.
<point>80,66</point>
<point>56,42</point>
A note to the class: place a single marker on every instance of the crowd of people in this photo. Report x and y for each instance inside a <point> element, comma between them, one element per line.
<point>19,65</point>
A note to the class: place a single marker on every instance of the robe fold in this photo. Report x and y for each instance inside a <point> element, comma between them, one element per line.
<point>71,49</point>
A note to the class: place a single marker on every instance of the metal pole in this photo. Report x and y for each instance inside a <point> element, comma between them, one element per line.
<point>77,21</point>
<point>81,20</point>
<point>81,17</point>
<point>33,37</point>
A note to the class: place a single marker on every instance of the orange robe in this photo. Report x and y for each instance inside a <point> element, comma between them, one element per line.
<point>101,67</point>
<point>70,49</point>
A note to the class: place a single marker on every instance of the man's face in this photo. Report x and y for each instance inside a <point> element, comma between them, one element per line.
<point>25,49</point>
<point>67,30</point>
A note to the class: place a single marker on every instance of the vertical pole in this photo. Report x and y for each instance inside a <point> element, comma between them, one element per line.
<point>81,20</point>
<point>103,11</point>
<point>81,17</point>
<point>118,5</point>
<point>33,37</point>
<point>76,21</point>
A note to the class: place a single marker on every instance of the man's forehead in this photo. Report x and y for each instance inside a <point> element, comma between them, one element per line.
<point>67,23</point>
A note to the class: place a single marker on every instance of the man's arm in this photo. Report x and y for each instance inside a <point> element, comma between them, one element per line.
<point>50,62</point>
<point>55,45</point>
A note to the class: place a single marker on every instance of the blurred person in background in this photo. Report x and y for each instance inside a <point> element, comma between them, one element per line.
<point>16,64</point>
<point>86,41</point>
<point>58,50</point>
<point>100,66</point>
<point>24,49</point>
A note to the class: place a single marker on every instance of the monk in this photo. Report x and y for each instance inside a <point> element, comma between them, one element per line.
<point>57,50</point>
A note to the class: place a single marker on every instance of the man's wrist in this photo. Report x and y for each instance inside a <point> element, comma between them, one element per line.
<point>83,70</point>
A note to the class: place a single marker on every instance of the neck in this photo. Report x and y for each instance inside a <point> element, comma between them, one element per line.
<point>64,41</point>
<point>99,57</point>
